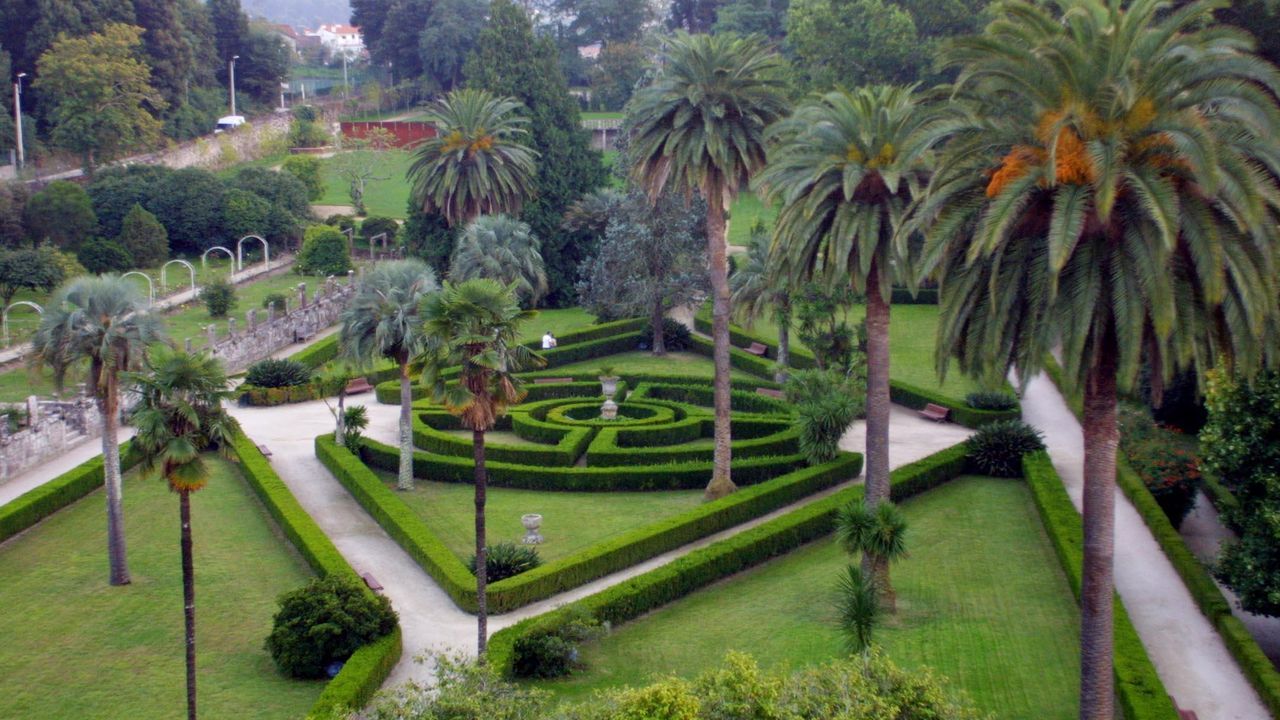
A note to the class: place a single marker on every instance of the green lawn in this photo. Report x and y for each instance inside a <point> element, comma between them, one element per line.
<point>642,362</point>
<point>387,196</point>
<point>743,214</point>
<point>570,521</point>
<point>74,647</point>
<point>602,115</point>
<point>981,600</point>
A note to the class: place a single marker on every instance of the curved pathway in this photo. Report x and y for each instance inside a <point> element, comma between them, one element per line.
<point>1188,653</point>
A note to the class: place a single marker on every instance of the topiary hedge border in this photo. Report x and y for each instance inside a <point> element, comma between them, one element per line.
<point>39,503</point>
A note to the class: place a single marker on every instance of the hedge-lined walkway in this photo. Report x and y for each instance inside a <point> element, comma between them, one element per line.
<point>428,617</point>
<point>40,474</point>
<point>1193,662</point>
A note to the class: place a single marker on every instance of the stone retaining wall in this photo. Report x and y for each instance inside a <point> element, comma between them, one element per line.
<point>263,333</point>
<point>54,427</point>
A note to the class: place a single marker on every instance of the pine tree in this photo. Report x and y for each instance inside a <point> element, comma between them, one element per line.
<point>144,237</point>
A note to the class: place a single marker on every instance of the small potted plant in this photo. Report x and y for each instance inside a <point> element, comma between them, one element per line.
<point>609,386</point>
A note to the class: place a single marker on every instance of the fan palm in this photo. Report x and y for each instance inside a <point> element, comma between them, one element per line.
<point>844,168</point>
<point>477,162</point>
<point>878,533</point>
<point>700,127</point>
<point>179,415</point>
<point>1115,195</point>
<point>476,324</point>
<point>502,248</point>
<point>756,290</point>
<point>101,320</point>
<point>382,321</point>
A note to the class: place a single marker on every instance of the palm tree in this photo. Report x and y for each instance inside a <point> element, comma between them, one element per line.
<point>179,415</point>
<point>755,289</point>
<point>844,168</point>
<point>101,320</point>
<point>382,321</point>
<point>879,533</point>
<point>476,324</point>
<point>477,163</point>
<point>700,127</point>
<point>1114,196</point>
<point>502,248</point>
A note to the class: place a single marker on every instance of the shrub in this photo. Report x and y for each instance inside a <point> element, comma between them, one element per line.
<point>272,373</point>
<point>805,386</point>
<point>102,255</point>
<point>858,606</point>
<point>507,559</point>
<point>354,421</point>
<point>324,252</point>
<point>991,400</point>
<point>1170,473</point>
<point>277,299</point>
<point>307,169</point>
<point>822,424</point>
<point>144,238</point>
<point>554,652</point>
<point>307,134</point>
<point>374,225</point>
<point>325,622</point>
<point>219,297</point>
<point>341,221</point>
<point>997,448</point>
<point>675,335</point>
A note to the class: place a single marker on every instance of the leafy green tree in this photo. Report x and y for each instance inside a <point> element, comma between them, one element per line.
<point>852,42</point>
<point>476,324</point>
<point>694,16</point>
<point>104,255</point>
<point>428,237</point>
<point>61,214</point>
<point>168,52</point>
<point>100,94</point>
<point>753,17</point>
<point>501,248</point>
<point>1101,202</point>
<point>230,31</point>
<point>13,204</point>
<point>219,297</point>
<point>179,415</point>
<point>452,29</point>
<point>350,616</point>
<point>383,321</point>
<point>477,162</point>
<point>286,194</point>
<point>263,64</point>
<point>617,71</point>
<point>29,27</point>
<point>324,252</point>
<point>307,169</point>
<point>144,238</point>
<point>607,21</point>
<point>244,213</point>
<point>700,127</point>
<point>189,202</point>
<point>101,321</point>
<point>509,61</point>
<point>115,190</point>
<point>27,269</point>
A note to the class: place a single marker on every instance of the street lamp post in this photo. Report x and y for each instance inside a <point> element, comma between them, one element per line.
<point>232,73</point>
<point>17,116</point>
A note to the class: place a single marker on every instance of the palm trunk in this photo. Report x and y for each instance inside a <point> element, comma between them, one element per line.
<point>405,479</point>
<point>1096,624</point>
<point>655,318</point>
<point>784,343</point>
<point>721,482</point>
<point>888,598</point>
<point>877,445</point>
<point>108,405</point>
<point>338,433</point>
<point>482,570</point>
<point>188,599</point>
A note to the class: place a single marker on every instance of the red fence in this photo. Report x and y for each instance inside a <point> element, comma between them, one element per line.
<point>405,132</point>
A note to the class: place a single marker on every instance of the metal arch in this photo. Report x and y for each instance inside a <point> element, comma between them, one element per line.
<point>266,251</point>
<point>164,284</point>
<point>230,255</point>
<point>4,319</point>
<point>151,285</point>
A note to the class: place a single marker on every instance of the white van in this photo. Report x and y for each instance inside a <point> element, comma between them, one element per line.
<point>230,122</point>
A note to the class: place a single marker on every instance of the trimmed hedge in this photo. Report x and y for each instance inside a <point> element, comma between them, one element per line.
<point>316,389</point>
<point>961,414</point>
<point>360,678</point>
<point>739,359</point>
<point>318,353</point>
<point>429,435</point>
<point>409,530</point>
<point>39,503</point>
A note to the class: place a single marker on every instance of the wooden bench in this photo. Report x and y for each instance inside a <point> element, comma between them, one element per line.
<point>756,348</point>
<point>358,385</point>
<point>936,413</point>
<point>770,392</point>
<point>266,452</point>
<point>546,381</point>
<point>371,581</point>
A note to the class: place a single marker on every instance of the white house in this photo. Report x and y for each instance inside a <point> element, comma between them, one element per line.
<point>340,40</point>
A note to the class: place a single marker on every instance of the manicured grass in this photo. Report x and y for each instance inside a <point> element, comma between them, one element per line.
<point>981,600</point>
<point>642,362</point>
<point>74,647</point>
<point>570,521</point>
<point>743,214</point>
<point>388,197</point>
<point>602,115</point>
<point>558,320</point>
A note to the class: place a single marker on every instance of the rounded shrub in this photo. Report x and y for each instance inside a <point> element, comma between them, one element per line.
<point>323,623</point>
<point>991,400</point>
<point>103,255</point>
<point>997,448</point>
<point>275,299</point>
<point>507,559</point>
<point>823,422</point>
<point>675,335</point>
<point>272,373</point>
<point>324,252</point>
<point>553,651</point>
<point>219,298</point>
<point>375,225</point>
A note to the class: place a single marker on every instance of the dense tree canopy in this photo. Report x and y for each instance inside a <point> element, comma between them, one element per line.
<point>853,42</point>
<point>61,214</point>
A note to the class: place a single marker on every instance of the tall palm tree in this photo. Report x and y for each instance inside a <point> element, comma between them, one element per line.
<point>476,324</point>
<point>1114,196</point>
<point>382,321</point>
<point>878,533</point>
<point>844,168</point>
<point>101,320</point>
<point>179,415</point>
<point>502,248</point>
<point>477,163</point>
<point>700,127</point>
<point>756,289</point>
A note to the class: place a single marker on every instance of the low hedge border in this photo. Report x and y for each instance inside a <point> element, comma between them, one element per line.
<point>606,451</point>
<point>409,530</point>
<point>316,389</point>
<point>430,434</point>
<point>1208,596</point>
<point>39,503</point>
<point>360,678</point>
<point>916,398</point>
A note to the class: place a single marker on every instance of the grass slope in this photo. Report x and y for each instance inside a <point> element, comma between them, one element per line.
<point>387,196</point>
<point>981,601</point>
<point>75,647</point>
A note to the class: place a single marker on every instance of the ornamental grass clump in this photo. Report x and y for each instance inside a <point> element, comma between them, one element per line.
<point>272,373</point>
<point>997,448</point>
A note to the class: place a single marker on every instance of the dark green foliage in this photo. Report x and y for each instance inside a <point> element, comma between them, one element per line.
<point>278,300</point>
<point>307,170</point>
<point>340,221</point>
<point>307,134</point>
<point>553,652</point>
<point>61,214</point>
<point>324,622</point>
<point>144,238</point>
<point>286,200</point>
<point>189,203</point>
<point>675,334</point>
<point>823,422</point>
<point>506,560</point>
<point>1170,472</point>
<point>450,34</point>
<point>324,252</point>
<point>13,201</point>
<point>858,606</point>
<point>103,255</point>
<point>916,398</point>
<point>355,420</point>
<point>374,225</point>
<point>997,448</point>
<point>115,190</point>
<point>28,269</point>
<point>823,323</point>
<point>428,237</point>
<point>1181,404</point>
<point>273,373</point>
<point>991,400</point>
<point>244,213</point>
<point>219,297</point>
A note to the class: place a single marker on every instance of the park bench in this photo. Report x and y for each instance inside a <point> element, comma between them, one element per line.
<point>266,451</point>
<point>358,385</point>
<point>756,348</point>
<point>547,381</point>
<point>936,413</point>
<point>770,392</point>
<point>371,581</point>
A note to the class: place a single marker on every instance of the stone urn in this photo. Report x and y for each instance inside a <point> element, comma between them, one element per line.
<point>609,387</point>
<point>532,523</point>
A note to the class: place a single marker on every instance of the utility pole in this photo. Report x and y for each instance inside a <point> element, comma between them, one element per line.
<point>232,65</point>
<point>17,116</point>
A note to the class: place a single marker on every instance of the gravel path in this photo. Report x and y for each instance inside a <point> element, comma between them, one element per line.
<point>1189,655</point>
